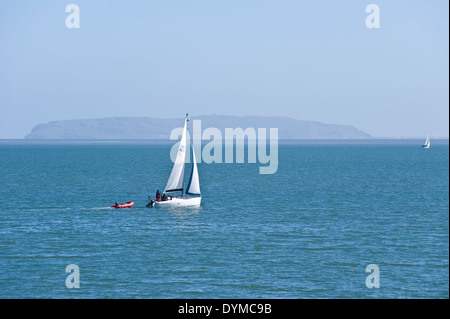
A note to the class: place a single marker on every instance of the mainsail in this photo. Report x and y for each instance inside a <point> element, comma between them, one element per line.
<point>175,182</point>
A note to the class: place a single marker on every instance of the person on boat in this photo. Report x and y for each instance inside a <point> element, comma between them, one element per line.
<point>164,197</point>
<point>117,204</point>
<point>158,196</point>
<point>151,203</point>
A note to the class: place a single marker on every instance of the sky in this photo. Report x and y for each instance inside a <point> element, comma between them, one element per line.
<point>309,60</point>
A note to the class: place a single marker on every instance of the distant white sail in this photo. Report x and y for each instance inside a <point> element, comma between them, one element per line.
<point>427,143</point>
<point>175,182</point>
<point>194,183</point>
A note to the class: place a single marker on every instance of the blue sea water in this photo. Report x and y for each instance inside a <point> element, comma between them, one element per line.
<point>307,231</point>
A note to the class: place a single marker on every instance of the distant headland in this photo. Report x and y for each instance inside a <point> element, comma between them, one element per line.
<point>156,128</point>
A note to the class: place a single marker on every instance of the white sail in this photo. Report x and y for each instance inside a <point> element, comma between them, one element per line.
<point>194,183</point>
<point>175,182</point>
<point>427,143</point>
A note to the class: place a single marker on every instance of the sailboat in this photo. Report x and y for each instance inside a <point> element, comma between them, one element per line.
<point>191,196</point>
<point>427,143</point>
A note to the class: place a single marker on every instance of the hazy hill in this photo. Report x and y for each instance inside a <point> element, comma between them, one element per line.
<point>154,128</point>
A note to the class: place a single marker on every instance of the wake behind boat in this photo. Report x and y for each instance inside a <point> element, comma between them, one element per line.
<point>191,196</point>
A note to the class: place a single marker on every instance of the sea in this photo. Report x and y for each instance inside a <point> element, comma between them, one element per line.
<point>337,220</point>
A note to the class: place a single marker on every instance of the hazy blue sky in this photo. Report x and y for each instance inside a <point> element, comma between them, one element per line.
<point>310,60</point>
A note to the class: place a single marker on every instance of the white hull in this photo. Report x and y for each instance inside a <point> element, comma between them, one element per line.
<point>180,202</point>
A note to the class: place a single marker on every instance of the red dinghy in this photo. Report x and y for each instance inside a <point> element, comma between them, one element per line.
<point>123,205</point>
